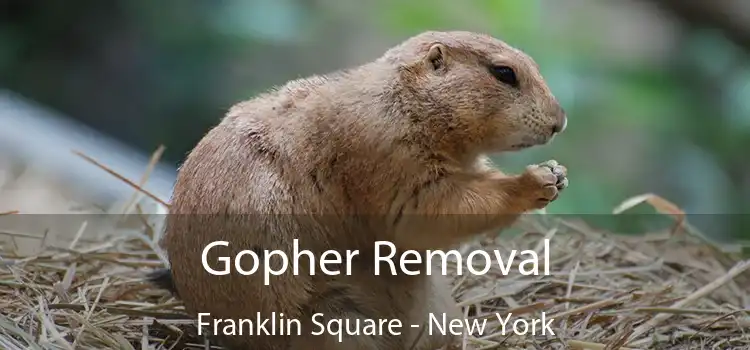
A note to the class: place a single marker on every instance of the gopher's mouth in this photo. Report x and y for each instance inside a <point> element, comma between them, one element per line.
<point>532,142</point>
<point>522,146</point>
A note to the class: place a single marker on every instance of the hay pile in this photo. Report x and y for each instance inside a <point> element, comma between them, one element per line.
<point>661,291</point>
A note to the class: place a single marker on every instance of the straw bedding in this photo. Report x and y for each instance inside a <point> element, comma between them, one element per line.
<point>660,291</point>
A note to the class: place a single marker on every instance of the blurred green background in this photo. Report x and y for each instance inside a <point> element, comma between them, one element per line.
<point>657,91</point>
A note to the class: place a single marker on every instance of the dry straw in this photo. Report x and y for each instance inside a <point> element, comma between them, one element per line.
<point>671,290</point>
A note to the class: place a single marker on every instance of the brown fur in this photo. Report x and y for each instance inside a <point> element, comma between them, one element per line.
<point>391,150</point>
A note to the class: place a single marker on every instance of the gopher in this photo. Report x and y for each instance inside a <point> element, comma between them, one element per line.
<point>393,150</point>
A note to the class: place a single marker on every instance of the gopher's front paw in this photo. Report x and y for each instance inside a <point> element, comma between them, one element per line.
<point>542,183</point>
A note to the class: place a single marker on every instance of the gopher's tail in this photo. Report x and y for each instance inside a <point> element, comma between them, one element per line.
<point>162,278</point>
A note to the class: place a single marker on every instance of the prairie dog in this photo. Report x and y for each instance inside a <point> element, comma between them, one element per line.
<point>394,150</point>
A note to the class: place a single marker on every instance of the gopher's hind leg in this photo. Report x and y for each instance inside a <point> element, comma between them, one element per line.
<point>431,303</point>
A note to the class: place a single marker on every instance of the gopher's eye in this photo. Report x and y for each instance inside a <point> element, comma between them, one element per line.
<point>505,74</point>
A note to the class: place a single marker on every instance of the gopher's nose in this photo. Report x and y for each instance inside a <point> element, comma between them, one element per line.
<point>560,126</point>
<point>562,121</point>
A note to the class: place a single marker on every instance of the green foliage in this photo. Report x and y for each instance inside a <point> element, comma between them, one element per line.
<point>410,16</point>
<point>517,20</point>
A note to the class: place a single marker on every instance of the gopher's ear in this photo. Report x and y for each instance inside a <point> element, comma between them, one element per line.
<point>436,56</point>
